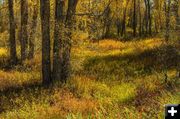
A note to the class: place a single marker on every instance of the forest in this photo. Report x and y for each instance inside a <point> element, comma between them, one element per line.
<point>89,59</point>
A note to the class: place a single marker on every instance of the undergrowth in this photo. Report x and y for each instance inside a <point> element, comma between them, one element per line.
<point>110,80</point>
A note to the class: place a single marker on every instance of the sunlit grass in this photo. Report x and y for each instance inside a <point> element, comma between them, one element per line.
<point>16,78</point>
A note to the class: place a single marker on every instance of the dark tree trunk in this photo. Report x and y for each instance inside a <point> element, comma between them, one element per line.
<point>118,26</point>
<point>167,34</point>
<point>156,26</point>
<point>58,34</point>
<point>149,16</point>
<point>70,17</point>
<point>123,29</point>
<point>167,14</point>
<point>134,19</point>
<point>118,22</point>
<point>45,27</point>
<point>177,11</point>
<point>142,26</point>
<point>107,22</point>
<point>12,40</point>
<point>2,25</point>
<point>146,16</point>
<point>32,32</point>
<point>140,21</point>
<point>24,34</point>
<point>157,20</point>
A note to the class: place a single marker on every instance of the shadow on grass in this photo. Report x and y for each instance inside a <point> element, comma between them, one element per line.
<point>6,65</point>
<point>143,63</point>
<point>27,92</point>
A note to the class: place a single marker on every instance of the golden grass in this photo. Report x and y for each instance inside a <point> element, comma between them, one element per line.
<point>100,89</point>
<point>17,79</point>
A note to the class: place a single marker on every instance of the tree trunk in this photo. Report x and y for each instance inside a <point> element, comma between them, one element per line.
<point>149,16</point>
<point>24,34</point>
<point>167,14</point>
<point>2,25</point>
<point>123,30</point>
<point>146,16</point>
<point>134,19</point>
<point>156,26</point>
<point>107,22</point>
<point>177,11</point>
<point>70,17</point>
<point>118,21</point>
<point>12,39</point>
<point>118,26</point>
<point>57,48</point>
<point>45,27</point>
<point>160,17</point>
<point>32,32</point>
<point>140,21</point>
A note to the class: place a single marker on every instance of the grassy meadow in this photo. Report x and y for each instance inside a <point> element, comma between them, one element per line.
<point>111,79</point>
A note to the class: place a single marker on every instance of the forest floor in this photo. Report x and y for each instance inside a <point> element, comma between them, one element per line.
<point>110,80</point>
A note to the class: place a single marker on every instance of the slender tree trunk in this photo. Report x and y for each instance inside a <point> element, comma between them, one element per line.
<point>118,26</point>
<point>118,22</point>
<point>142,26</point>
<point>160,18</point>
<point>123,30</point>
<point>2,26</point>
<point>107,33</point>
<point>156,26</point>
<point>107,22</point>
<point>70,17</point>
<point>24,34</point>
<point>167,14</point>
<point>57,48</point>
<point>32,32</point>
<point>146,16</point>
<point>12,40</point>
<point>45,27</point>
<point>149,17</point>
<point>1,22</point>
<point>177,12</point>
<point>134,19</point>
<point>140,21</point>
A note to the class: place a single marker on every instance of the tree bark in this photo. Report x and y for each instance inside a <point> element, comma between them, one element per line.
<point>118,26</point>
<point>107,22</point>
<point>24,33</point>
<point>45,27</point>
<point>134,19</point>
<point>149,16</point>
<point>167,14</point>
<point>146,16</point>
<point>12,39</point>
<point>123,30</point>
<point>177,12</point>
<point>32,32</point>
<point>70,17</point>
<point>58,34</point>
<point>140,21</point>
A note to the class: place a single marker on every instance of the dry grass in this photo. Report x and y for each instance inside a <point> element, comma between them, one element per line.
<point>110,79</point>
